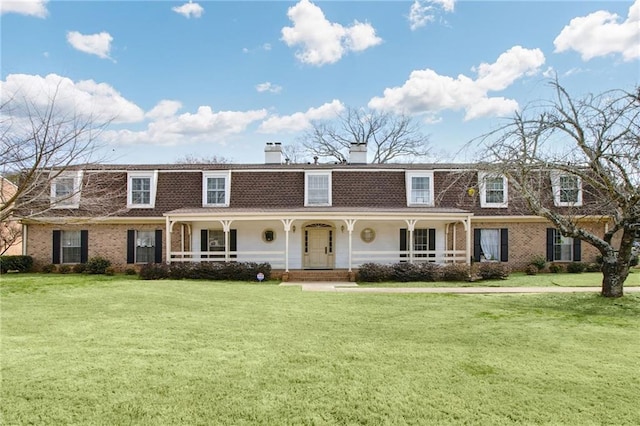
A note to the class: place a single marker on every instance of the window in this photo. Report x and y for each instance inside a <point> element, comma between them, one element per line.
<point>424,240</point>
<point>419,188</point>
<point>491,245</point>
<point>65,190</point>
<point>70,246</point>
<point>144,246</point>
<point>213,240</point>
<point>493,191</point>
<point>561,248</point>
<point>567,189</point>
<point>141,192</point>
<point>317,189</point>
<point>215,187</point>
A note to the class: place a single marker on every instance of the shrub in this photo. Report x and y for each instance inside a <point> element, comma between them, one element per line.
<point>555,268</point>
<point>374,273</point>
<point>455,272</point>
<point>634,261</point>
<point>594,267</point>
<point>576,267</point>
<point>405,272</point>
<point>79,268</point>
<point>97,265</point>
<point>154,271</point>
<point>539,262</point>
<point>531,269</point>
<point>110,271</point>
<point>16,263</point>
<point>130,271</point>
<point>430,272</point>
<point>64,269</point>
<point>493,271</point>
<point>47,269</point>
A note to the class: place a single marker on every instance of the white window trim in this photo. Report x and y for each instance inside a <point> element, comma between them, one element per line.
<point>555,186</point>
<point>153,179</point>
<point>408,178</point>
<point>72,202</point>
<point>482,176</point>
<point>227,187</point>
<point>306,187</point>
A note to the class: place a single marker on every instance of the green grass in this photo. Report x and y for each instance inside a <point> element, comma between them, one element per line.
<point>114,350</point>
<point>519,279</point>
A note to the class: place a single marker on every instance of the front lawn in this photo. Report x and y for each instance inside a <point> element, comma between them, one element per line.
<point>115,350</point>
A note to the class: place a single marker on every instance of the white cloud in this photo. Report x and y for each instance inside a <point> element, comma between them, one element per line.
<point>37,8</point>
<point>94,44</point>
<point>324,42</point>
<point>85,98</point>
<point>426,92</point>
<point>301,120</point>
<point>268,87</point>
<point>424,11</point>
<point>163,109</point>
<point>601,34</point>
<point>189,10</point>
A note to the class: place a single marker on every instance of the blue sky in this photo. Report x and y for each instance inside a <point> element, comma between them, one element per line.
<point>224,77</point>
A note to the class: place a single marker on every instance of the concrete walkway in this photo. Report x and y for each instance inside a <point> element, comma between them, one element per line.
<point>347,287</point>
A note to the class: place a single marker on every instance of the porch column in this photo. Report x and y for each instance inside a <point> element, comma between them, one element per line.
<point>350,225</point>
<point>167,238</point>
<point>411,225</point>
<point>468,248</point>
<point>226,227</point>
<point>287,227</point>
<point>455,234</point>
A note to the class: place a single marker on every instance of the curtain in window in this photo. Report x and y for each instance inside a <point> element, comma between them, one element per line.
<point>145,246</point>
<point>490,243</point>
<point>71,246</point>
<point>318,189</point>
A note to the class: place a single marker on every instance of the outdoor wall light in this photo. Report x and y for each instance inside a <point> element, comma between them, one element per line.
<point>293,228</point>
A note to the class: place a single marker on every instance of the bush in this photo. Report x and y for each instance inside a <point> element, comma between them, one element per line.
<point>79,268</point>
<point>531,270</point>
<point>405,272</point>
<point>130,271</point>
<point>154,271</point>
<point>110,271</point>
<point>493,271</point>
<point>556,268</point>
<point>16,263</point>
<point>64,269</point>
<point>539,262</point>
<point>374,273</point>
<point>430,272</point>
<point>594,267</point>
<point>97,265</point>
<point>455,272</point>
<point>47,269</point>
<point>576,267</point>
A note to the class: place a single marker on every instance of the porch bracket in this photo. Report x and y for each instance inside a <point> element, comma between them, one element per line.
<point>411,225</point>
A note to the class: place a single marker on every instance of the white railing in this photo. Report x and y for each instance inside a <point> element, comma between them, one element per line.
<point>394,256</point>
<point>274,258</point>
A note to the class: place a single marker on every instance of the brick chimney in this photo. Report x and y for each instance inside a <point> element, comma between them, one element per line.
<point>358,153</point>
<point>273,153</point>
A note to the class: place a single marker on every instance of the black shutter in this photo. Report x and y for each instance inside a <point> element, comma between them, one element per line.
<point>84,246</point>
<point>56,247</point>
<point>158,247</point>
<point>233,242</point>
<point>431,243</point>
<point>403,242</point>
<point>551,235</point>
<point>504,245</point>
<point>204,242</point>
<point>131,246</point>
<point>477,250</point>
<point>577,250</point>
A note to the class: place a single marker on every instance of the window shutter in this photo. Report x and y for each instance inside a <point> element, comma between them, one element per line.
<point>551,234</point>
<point>476,245</point>
<point>84,246</point>
<point>403,242</point>
<point>204,240</point>
<point>158,246</point>
<point>504,245</point>
<point>56,248</point>
<point>577,250</point>
<point>131,246</point>
<point>233,242</point>
<point>431,243</point>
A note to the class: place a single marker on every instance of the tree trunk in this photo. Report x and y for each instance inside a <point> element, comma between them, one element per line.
<point>614,275</point>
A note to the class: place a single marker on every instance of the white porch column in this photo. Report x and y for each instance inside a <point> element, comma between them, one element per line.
<point>411,225</point>
<point>167,237</point>
<point>468,248</point>
<point>226,227</point>
<point>287,227</point>
<point>350,225</point>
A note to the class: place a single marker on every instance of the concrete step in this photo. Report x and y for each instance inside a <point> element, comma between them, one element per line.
<point>336,275</point>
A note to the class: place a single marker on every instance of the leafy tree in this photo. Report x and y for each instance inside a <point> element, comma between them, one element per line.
<point>595,138</point>
<point>389,137</point>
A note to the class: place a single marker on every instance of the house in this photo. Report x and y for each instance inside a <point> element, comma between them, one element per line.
<point>298,216</point>
<point>10,229</point>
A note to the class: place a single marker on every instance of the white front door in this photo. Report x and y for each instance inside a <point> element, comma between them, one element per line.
<point>318,249</point>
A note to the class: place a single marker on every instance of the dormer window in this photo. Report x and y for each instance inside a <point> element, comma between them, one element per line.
<point>65,190</point>
<point>216,189</point>
<point>419,188</point>
<point>141,189</point>
<point>567,189</point>
<point>317,189</point>
<point>493,190</point>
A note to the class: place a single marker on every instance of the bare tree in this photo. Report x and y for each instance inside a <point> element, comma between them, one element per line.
<point>39,144</point>
<point>195,159</point>
<point>389,137</point>
<point>595,139</point>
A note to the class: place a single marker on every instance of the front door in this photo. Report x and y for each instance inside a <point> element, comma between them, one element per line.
<point>318,248</point>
